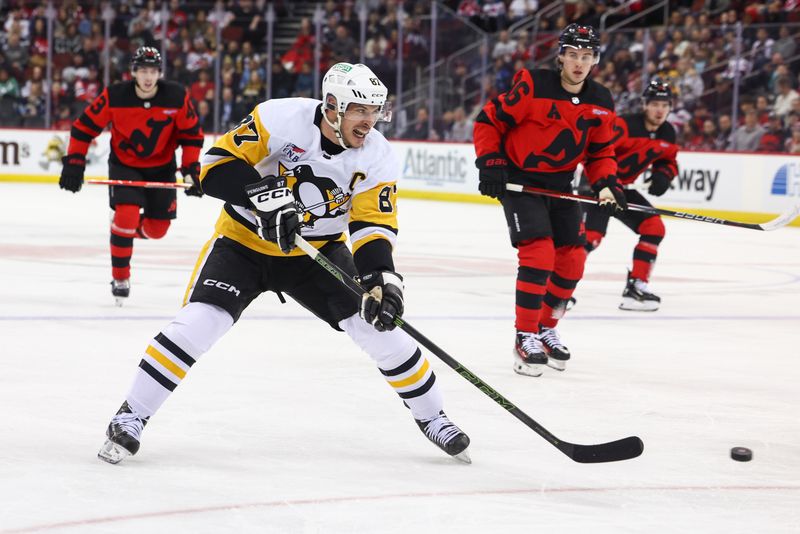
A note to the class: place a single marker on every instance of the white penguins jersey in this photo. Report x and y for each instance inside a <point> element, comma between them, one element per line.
<point>353,191</point>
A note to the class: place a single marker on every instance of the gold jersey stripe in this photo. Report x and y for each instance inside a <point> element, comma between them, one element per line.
<point>201,260</point>
<point>416,377</point>
<point>363,241</point>
<point>163,360</point>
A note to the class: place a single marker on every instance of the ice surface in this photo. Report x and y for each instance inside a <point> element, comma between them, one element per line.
<point>285,426</point>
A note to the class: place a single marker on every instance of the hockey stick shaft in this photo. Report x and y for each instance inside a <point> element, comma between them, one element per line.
<point>778,222</point>
<point>134,183</point>
<point>622,449</point>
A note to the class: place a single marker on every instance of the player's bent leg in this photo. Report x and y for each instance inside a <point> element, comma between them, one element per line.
<point>123,230</point>
<point>408,372</point>
<point>153,228</point>
<point>164,364</point>
<point>567,272</point>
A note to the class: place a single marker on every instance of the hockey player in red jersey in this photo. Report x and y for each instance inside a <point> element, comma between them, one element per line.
<point>646,141</point>
<point>536,134</point>
<point>298,166</point>
<point>149,119</point>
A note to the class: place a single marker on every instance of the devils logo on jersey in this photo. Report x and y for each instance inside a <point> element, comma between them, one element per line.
<point>317,196</point>
<point>142,144</point>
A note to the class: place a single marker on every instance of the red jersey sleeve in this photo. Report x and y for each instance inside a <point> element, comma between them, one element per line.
<point>501,114</point>
<point>190,135</point>
<point>89,124</point>
<point>601,163</point>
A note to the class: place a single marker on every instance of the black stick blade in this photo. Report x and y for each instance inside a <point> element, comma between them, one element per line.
<point>613,451</point>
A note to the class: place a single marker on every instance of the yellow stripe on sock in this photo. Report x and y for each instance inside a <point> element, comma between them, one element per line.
<point>413,378</point>
<point>163,360</point>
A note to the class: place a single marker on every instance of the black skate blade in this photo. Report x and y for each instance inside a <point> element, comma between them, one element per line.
<point>613,451</point>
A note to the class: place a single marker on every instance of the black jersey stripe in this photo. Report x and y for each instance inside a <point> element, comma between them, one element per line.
<point>89,123</point>
<point>191,142</point>
<point>532,275</point>
<point>529,301</point>
<point>400,369</point>
<point>174,349</point>
<point>80,135</point>
<point>157,376</point>
<point>420,390</point>
<point>562,282</point>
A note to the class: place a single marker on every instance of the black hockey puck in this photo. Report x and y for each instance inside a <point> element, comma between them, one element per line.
<point>741,454</point>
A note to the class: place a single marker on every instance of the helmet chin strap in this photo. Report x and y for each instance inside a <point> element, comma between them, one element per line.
<point>337,128</point>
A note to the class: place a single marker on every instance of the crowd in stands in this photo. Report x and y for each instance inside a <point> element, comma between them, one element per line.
<point>696,49</point>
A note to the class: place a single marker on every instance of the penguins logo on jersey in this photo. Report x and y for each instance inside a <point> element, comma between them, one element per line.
<point>317,196</point>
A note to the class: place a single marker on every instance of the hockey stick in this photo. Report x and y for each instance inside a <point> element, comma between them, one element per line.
<point>778,222</point>
<point>133,183</point>
<point>622,449</point>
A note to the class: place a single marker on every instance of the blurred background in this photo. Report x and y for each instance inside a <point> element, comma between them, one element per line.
<point>735,65</point>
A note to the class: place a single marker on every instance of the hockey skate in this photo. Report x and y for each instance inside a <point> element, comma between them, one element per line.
<point>120,289</point>
<point>529,355</point>
<point>447,436</point>
<point>637,297</point>
<point>123,433</point>
<point>557,352</point>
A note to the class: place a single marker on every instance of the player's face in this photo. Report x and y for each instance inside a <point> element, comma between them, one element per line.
<point>146,78</point>
<point>576,64</point>
<point>656,111</point>
<point>357,121</point>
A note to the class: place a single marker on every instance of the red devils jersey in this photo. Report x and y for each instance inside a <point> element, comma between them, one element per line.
<point>543,129</point>
<point>144,133</point>
<point>637,148</point>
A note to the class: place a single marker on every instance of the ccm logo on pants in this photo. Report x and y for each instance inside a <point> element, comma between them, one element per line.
<point>221,285</point>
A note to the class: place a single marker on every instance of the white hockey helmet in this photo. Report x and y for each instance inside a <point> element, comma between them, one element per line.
<point>355,84</point>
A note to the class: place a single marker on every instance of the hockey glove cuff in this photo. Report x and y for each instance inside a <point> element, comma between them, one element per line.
<point>276,214</point>
<point>384,299</point>
<point>72,172</point>
<point>191,176</point>
<point>492,175</point>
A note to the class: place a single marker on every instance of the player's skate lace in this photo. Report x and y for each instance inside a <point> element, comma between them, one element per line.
<point>551,340</point>
<point>445,435</point>
<point>529,342</point>
<point>128,423</point>
<point>641,286</point>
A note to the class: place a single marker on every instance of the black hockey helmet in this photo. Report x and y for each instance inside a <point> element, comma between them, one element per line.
<point>579,36</point>
<point>146,56</point>
<point>658,89</point>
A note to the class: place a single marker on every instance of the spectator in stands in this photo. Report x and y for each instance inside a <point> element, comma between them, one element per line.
<point>282,81</point>
<point>461,130</point>
<point>690,83</point>
<point>202,89</point>
<point>724,132</point>
<point>786,44</point>
<point>785,96</point>
<point>774,138</point>
<point>793,143</point>
<point>87,89</point>
<point>747,137</point>
<point>494,15</point>
<point>505,46</point>
<point>419,130</point>
<point>302,50</point>
<point>32,106</point>
<point>204,116</point>
<point>304,83</point>
<point>76,70</point>
<point>15,52</point>
<point>250,20</point>
<point>9,87</point>
<point>227,116</point>
<point>519,9</point>
<point>63,118</point>
<point>200,57</point>
<point>343,47</point>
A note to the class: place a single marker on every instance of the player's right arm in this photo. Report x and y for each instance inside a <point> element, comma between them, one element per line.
<point>497,117</point>
<point>85,128</point>
<point>229,166</point>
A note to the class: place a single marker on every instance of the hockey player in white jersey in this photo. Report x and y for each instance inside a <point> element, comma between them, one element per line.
<point>317,169</point>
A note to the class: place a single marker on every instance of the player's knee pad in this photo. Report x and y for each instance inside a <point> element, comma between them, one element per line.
<point>389,349</point>
<point>593,240</point>
<point>653,227</point>
<point>126,219</point>
<point>197,327</point>
<point>570,261</point>
<point>154,228</point>
<point>537,253</point>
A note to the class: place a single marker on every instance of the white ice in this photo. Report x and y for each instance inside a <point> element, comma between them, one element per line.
<point>285,426</point>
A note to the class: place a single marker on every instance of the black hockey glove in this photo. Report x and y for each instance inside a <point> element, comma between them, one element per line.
<point>72,172</point>
<point>191,176</point>
<point>492,175</point>
<point>611,196</point>
<point>384,301</point>
<point>276,214</point>
<point>659,183</point>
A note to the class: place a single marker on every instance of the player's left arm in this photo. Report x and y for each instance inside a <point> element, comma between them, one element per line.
<point>665,168</point>
<point>601,162</point>
<point>190,139</point>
